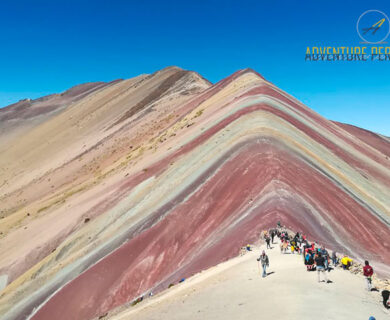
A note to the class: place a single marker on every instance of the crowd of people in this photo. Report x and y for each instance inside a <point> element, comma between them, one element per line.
<point>315,257</point>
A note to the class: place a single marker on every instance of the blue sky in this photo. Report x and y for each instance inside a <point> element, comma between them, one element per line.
<point>49,46</point>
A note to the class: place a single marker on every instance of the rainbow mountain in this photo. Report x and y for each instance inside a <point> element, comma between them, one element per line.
<point>110,191</point>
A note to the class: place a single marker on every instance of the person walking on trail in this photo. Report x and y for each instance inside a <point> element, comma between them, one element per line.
<point>325,254</point>
<point>272,235</point>
<point>335,260</point>
<point>301,250</point>
<point>320,266</point>
<point>283,246</point>
<point>368,271</point>
<point>268,240</point>
<point>264,262</point>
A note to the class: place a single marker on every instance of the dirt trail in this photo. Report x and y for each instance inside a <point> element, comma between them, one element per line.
<point>236,290</point>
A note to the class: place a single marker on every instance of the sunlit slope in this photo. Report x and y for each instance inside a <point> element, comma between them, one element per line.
<point>157,177</point>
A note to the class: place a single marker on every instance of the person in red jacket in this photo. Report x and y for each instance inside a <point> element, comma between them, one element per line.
<point>368,271</point>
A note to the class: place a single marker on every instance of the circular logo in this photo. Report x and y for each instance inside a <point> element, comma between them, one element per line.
<point>373,26</point>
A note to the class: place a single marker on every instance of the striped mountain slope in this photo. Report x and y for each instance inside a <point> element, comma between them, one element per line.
<point>152,179</point>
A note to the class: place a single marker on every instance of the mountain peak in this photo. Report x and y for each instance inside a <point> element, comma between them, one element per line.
<point>158,177</point>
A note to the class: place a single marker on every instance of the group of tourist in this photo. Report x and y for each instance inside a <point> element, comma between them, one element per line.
<point>315,257</point>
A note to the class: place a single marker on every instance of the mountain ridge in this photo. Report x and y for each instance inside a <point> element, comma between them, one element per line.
<point>175,187</point>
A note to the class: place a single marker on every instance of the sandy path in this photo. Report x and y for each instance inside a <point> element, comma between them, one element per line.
<point>235,290</point>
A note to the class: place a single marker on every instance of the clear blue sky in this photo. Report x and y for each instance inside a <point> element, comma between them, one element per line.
<point>49,46</point>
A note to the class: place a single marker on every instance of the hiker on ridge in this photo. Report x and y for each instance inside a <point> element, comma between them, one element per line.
<point>264,262</point>
<point>301,249</point>
<point>335,260</point>
<point>325,254</point>
<point>268,240</point>
<point>284,246</point>
<point>320,266</point>
<point>368,271</point>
